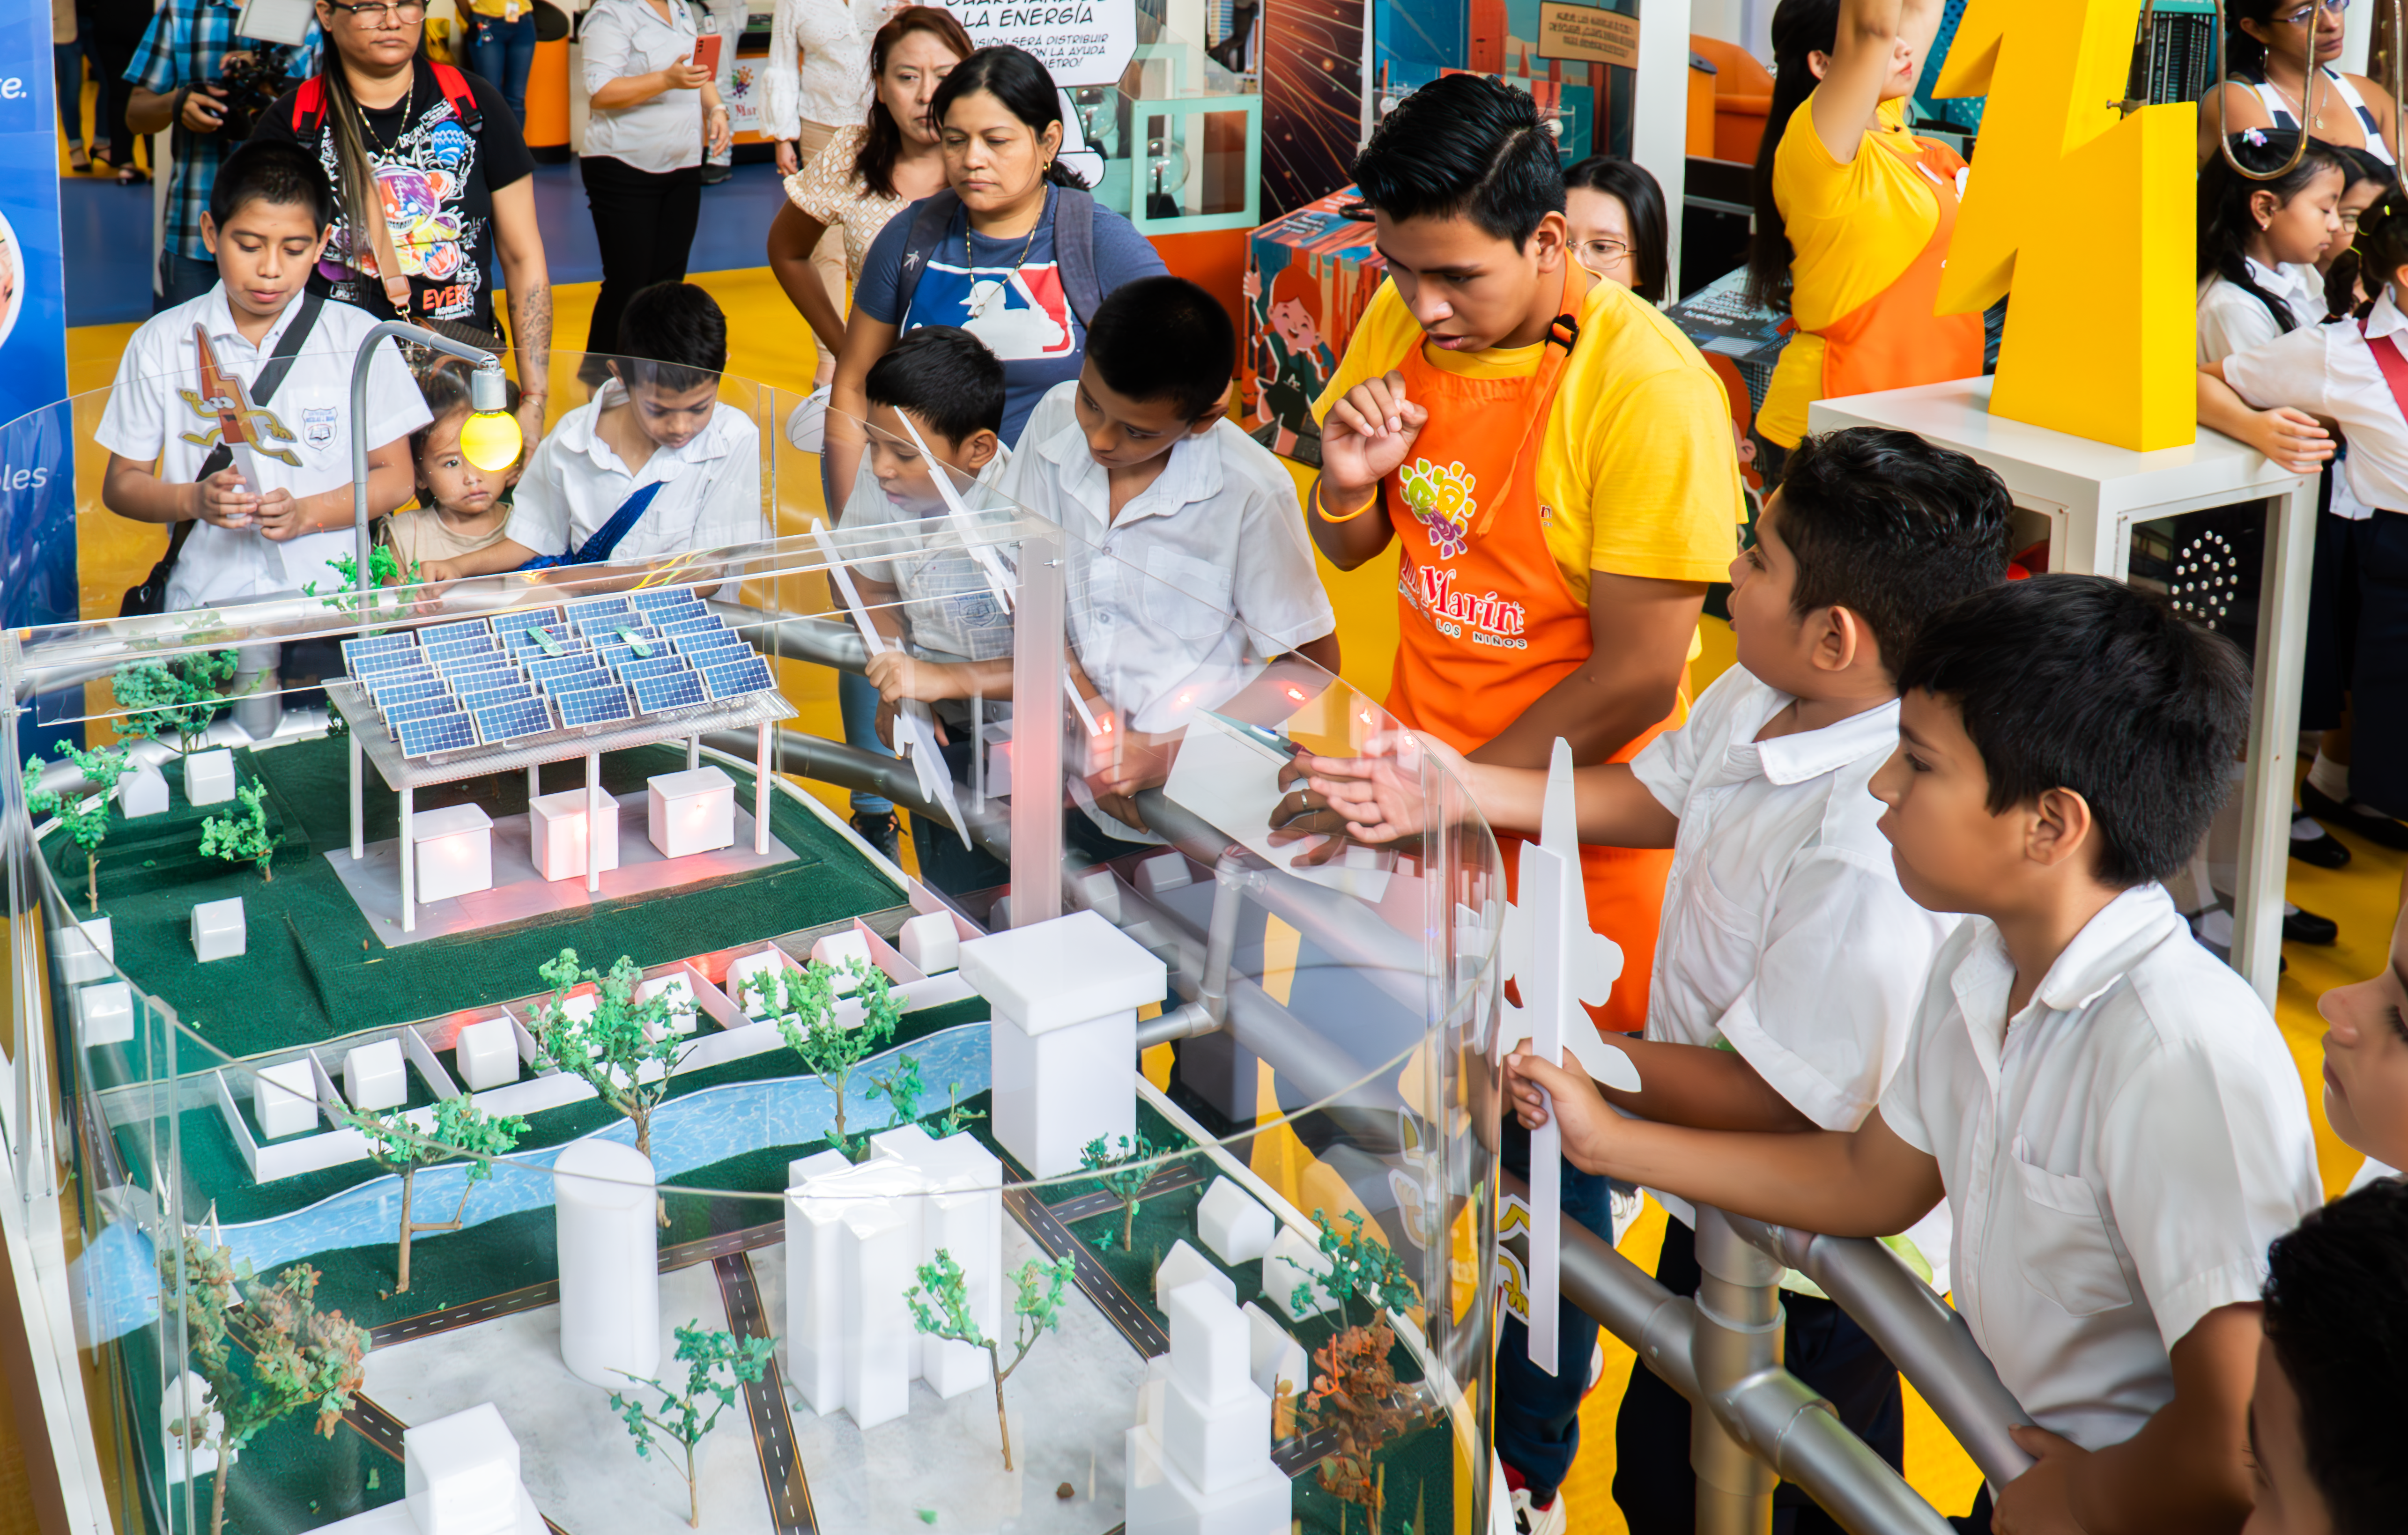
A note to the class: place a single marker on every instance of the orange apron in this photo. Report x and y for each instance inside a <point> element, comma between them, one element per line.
<point>1486,624</point>
<point>1894,340</point>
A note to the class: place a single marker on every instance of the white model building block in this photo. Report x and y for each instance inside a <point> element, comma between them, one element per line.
<point>690,812</point>
<point>839,951</point>
<point>217,930</point>
<point>802,1170</point>
<point>879,1250</point>
<point>1218,1445</point>
<point>455,851</point>
<point>143,791</point>
<point>1210,1343</point>
<point>105,1014</point>
<point>931,942</point>
<point>1063,1043</point>
<point>609,1263</point>
<point>1150,1391</point>
<point>1161,1500</point>
<point>462,1474</point>
<point>1273,1356</point>
<point>1185,1265</point>
<point>284,1100</point>
<point>557,834</point>
<point>763,962</point>
<point>1100,893</point>
<point>1166,870</point>
<point>1233,1225</point>
<point>84,953</point>
<point>1292,1261</point>
<point>486,1055</point>
<point>677,986</point>
<point>208,777</point>
<point>374,1076</point>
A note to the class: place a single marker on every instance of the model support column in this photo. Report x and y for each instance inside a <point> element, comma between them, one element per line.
<point>359,819</point>
<point>408,862</point>
<point>609,1263</point>
<point>1037,637</point>
<point>761,793</point>
<point>692,752</point>
<point>593,818</point>
<point>1738,1334</point>
<point>535,784</point>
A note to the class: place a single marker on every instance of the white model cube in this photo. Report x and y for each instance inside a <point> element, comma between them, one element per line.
<point>486,1054</point>
<point>1164,871</point>
<point>691,812</point>
<point>932,942</point>
<point>1217,1445</point>
<point>462,1474</point>
<point>1292,1261</point>
<point>609,1263</point>
<point>678,987</point>
<point>84,952</point>
<point>1099,893</point>
<point>1063,1044</point>
<point>455,851</point>
<point>1236,1227</point>
<point>557,834</point>
<point>840,951</point>
<point>1182,1266</point>
<point>374,1076</point>
<point>284,1100</point>
<point>744,967</point>
<point>1272,1354</point>
<point>142,792</point>
<point>217,930</point>
<point>208,777</point>
<point>105,1014</point>
<point>1212,1347</point>
<point>802,1170</point>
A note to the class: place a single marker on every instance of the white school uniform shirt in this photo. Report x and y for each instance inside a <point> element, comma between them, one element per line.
<point>2327,370</point>
<point>710,498</point>
<point>155,413</point>
<point>2117,1157</point>
<point>617,38</point>
<point>2232,318</point>
<point>950,607</point>
<point>1208,571</point>
<point>1786,935</point>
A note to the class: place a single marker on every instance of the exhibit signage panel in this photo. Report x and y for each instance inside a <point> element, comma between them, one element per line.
<point>1081,42</point>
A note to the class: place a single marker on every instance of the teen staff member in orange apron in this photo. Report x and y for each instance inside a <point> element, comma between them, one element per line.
<point>1555,460</point>
<point>1852,214</point>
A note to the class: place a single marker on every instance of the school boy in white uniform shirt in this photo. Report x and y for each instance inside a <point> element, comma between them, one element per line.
<point>710,496</point>
<point>156,413</point>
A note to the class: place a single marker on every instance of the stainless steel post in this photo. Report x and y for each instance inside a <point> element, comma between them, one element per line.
<point>1736,1339</point>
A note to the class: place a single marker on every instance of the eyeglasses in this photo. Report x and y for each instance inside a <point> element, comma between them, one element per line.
<point>1605,252</point>
<point>2307,14</point>
<point>378,12</point>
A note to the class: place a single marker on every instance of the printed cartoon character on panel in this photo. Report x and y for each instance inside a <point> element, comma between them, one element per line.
<point>1292,362</point>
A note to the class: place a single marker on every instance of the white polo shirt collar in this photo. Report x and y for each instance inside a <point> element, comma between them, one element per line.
<point>1802,755</point>
<point>1193,474</point>
<point>577,436</point>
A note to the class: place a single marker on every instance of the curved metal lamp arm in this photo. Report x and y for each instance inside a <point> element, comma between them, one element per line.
<point>486,379</point>
<point>2307,102</point>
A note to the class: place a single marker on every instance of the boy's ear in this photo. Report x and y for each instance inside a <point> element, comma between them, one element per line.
<point>1212,414</point>
<point>1842,640</point>
<point>210,232</point>
<point>2059,828</point>
<point>981,450</point>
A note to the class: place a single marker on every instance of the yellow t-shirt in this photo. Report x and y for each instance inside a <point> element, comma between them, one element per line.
<point>1856,228</point>
<point>1637,473</point>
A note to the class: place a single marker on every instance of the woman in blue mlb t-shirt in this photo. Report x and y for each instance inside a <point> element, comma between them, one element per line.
<point>992,268</point>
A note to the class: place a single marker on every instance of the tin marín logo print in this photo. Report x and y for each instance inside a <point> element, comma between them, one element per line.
<point>1491,619</point>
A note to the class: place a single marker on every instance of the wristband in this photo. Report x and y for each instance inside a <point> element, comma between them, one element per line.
<point>1321,505</point>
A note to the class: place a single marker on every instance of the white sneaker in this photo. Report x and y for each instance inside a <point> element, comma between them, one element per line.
<point>1528,1520</point>
<point>807,428</point>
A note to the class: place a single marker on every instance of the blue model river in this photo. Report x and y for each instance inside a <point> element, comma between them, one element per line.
<point>118,1278</point>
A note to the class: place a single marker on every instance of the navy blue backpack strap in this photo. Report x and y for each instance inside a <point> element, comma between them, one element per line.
<point>1074,251</point>
<point>606,538</point>
<point>932,217</point>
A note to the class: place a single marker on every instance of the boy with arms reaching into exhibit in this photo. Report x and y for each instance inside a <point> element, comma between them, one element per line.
<point>2109,1112</point>
<point>231,413</point>
<point>1769,1009</point>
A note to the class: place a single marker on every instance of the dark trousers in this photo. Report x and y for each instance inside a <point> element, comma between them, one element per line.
<point>1537,1415</point>
<point>115,36</point>
<point>1820,1346</point>
<point>2366,614</point>
<point>644,223</point>
<point>66,76</point>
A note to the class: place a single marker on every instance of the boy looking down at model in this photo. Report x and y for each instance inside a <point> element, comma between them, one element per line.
<point>2109,1112</point>
<point>1789,962</point>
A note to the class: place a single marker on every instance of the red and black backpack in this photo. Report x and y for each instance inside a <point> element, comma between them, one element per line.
<point>309,104</point>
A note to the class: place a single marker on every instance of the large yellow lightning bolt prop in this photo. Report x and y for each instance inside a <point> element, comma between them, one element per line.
<point>2090,221</point>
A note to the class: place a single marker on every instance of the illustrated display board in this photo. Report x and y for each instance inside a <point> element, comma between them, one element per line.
<point>1575,56</point>
<point>1314,117</point>
<point>1308,277</point>
<point>1079,42</point>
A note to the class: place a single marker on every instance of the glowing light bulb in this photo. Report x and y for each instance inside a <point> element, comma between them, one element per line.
<point>490,440</point>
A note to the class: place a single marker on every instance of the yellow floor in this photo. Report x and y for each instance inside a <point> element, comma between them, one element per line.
<point>768,342</point>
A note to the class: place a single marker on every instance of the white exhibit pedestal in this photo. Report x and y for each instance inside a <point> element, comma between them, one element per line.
<point>609,1263</point>
<point>454,850</point>
<point>557,835</point>
<point>2093,496</point>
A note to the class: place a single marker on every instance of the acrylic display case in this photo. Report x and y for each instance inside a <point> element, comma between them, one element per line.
<point>1180,141</point>
<point>790,1107</point>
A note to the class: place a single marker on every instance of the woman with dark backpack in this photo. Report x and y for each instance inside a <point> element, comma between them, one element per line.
<point>434,183</point>
<point>1013,250</point>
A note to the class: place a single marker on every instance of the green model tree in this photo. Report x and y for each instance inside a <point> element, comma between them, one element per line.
<point>940,1307</point>
<point>176,696</point>
<point>384,570</point>
<point>955,1118</point>
<point>902,1089</point>
<point>681,1419</point>
<point>84,818</point>
<point>461,1129</point>
<point>299,1356</point>
<point>802,1002</point>
<point>1356,1393</point>
<point>611,1046</point>
<point>1123,1174</point>
<point>242,838</point>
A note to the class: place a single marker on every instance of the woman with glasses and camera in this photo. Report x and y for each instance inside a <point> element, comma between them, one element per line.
<point>435,184</point>
<point>2266,47</point>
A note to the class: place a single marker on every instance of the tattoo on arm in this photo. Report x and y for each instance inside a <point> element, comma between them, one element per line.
<point>531,336</point>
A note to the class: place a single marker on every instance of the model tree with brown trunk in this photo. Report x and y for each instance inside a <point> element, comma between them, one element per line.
<point>1356,1393</point>
<point>461,1129</point>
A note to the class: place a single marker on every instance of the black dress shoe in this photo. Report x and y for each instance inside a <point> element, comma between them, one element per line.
<point>713,173</point>
<point>2362,820</point>
<point>2325,852</point>
<point>2301,926</point>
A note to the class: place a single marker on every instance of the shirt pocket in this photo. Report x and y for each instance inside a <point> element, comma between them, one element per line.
<point>1185,597</point>
<point>1719,938</point>
<point>2062,1242</point>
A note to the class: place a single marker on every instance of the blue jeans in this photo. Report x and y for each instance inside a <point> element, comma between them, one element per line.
<point>504,52</point>
<point>182,280</point>
<point>1537,1415</point>
<point>66,73</point>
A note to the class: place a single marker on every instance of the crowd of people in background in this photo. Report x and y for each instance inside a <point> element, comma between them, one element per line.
<point>1914,896</point>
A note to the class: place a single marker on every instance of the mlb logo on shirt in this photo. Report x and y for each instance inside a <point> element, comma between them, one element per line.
<point>317,425</point>
<point>1022,315</point>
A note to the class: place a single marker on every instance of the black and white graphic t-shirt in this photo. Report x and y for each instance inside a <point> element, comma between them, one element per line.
<point>436,181</point>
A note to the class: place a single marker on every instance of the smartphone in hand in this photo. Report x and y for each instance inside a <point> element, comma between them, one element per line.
<point>706,53</point>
